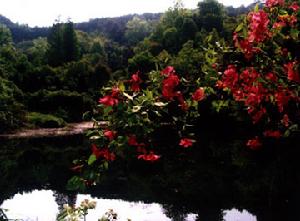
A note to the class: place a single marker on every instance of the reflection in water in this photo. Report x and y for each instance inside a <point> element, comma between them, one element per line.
<point>236,215</point>
<point>208,180</point>
<point>41,206</point>
<point>35,206</point>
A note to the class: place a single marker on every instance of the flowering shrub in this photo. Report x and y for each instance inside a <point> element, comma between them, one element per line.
<point>265,84</point>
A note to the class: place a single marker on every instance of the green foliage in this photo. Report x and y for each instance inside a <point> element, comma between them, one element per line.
<point>71,213</point>
<point>63,44</point>
<point>70,43</point>
<point>143,62</point>
<point>5,36</point>
<point>11,110</point>
<point>45,120</point>
<point>136,30</point>
<point>55,53</point>
<point>65,104</point>
<point>211,15</point>
<point>188,61</point>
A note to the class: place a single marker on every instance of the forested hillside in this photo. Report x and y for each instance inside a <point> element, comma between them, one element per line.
<point>50,76</point>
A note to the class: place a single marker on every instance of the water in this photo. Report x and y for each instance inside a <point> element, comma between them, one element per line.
<point>217,180</point>
<point>41,205</point>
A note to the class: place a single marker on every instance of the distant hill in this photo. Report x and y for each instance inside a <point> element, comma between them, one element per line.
<point>23,32</point>
<point>113,28</point>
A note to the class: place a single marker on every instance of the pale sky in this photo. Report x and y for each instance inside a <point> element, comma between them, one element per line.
<point>44,12</point>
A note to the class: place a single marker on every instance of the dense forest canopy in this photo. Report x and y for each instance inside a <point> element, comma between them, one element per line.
<point>58,71</point>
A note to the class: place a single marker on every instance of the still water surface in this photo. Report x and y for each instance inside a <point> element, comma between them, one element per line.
<point>218,180</point>
<point>41,205</point>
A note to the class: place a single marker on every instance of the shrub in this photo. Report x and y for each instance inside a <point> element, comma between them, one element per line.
<point>45,120</point>
<point>166,111</point>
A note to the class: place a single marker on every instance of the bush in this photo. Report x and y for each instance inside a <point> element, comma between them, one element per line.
<point>45,120</point>
<point>66,104</point>
<point>11,110</point>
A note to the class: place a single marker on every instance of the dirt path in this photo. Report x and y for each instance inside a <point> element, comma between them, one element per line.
<point>70,129</point>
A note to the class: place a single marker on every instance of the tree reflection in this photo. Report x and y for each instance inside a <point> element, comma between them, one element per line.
<point>213,176</point>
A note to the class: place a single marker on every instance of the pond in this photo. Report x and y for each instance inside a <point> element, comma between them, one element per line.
<point>214,183</point>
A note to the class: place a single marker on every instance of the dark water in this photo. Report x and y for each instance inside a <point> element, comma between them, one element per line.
<point>214,180</point>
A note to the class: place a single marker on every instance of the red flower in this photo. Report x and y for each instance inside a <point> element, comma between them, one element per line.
<point>169,84</point>
<point>294,6</point>
<point>109,134</point>
<point>293,75</point>
<point>271,77</point>
<point>96,151</point>
<point>132,140</point>
<point>258,26</point>
<point>108,155</point>
<point>282,97</point>
<point>115,91</point>
<point>149,157</point>
<point>257,116</point>
<point>168,71</point>
<point>219,84</point>
<point>77,168</point>
<point>272,133</point>
<point>214,66</point>
<point>135,81</point>
<point>108,100</point>
<point>198,95</point>
<point>247,48</point>
<point>182,103</point>
<point>272,3</point>
<point>186,142</point>
<point>230,77</point>
<point>254,144</point>
<point>103,153</point>
<point>285,120</point>
<point>279,25</point>
<point>291,20</point>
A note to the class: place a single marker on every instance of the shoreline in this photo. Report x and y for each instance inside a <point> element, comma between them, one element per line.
<point>69,129</point>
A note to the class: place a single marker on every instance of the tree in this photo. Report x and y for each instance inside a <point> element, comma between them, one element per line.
<point>211,15</point>
<point>55,52</point>
<point>63,44</point>
<point>136,30</point>
<point>70,43</point>
<point>5,35</point>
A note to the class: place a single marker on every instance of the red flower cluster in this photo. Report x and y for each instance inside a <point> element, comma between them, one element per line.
<point>272,133</point>
<point>272,3</point>
<point>292,73</point>
<point>254,144</point>
<point>258,27</point>
<point>135,82</point>
<point>110,134</point>
<point>111,100</point>
<point>103,153</point>
<point>199,94</point>
<point>294,6</point>
<point>186,142</point>
<point>168,71</point>
<point>149,157</point>
<point>168,86</point>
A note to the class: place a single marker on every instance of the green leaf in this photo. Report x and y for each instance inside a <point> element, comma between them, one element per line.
<point>256,8</point>
<point>239,27</point>
<point>75,183</point>
<point>107,110</point>
<point>92,159</point>
<point>105,165</point>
